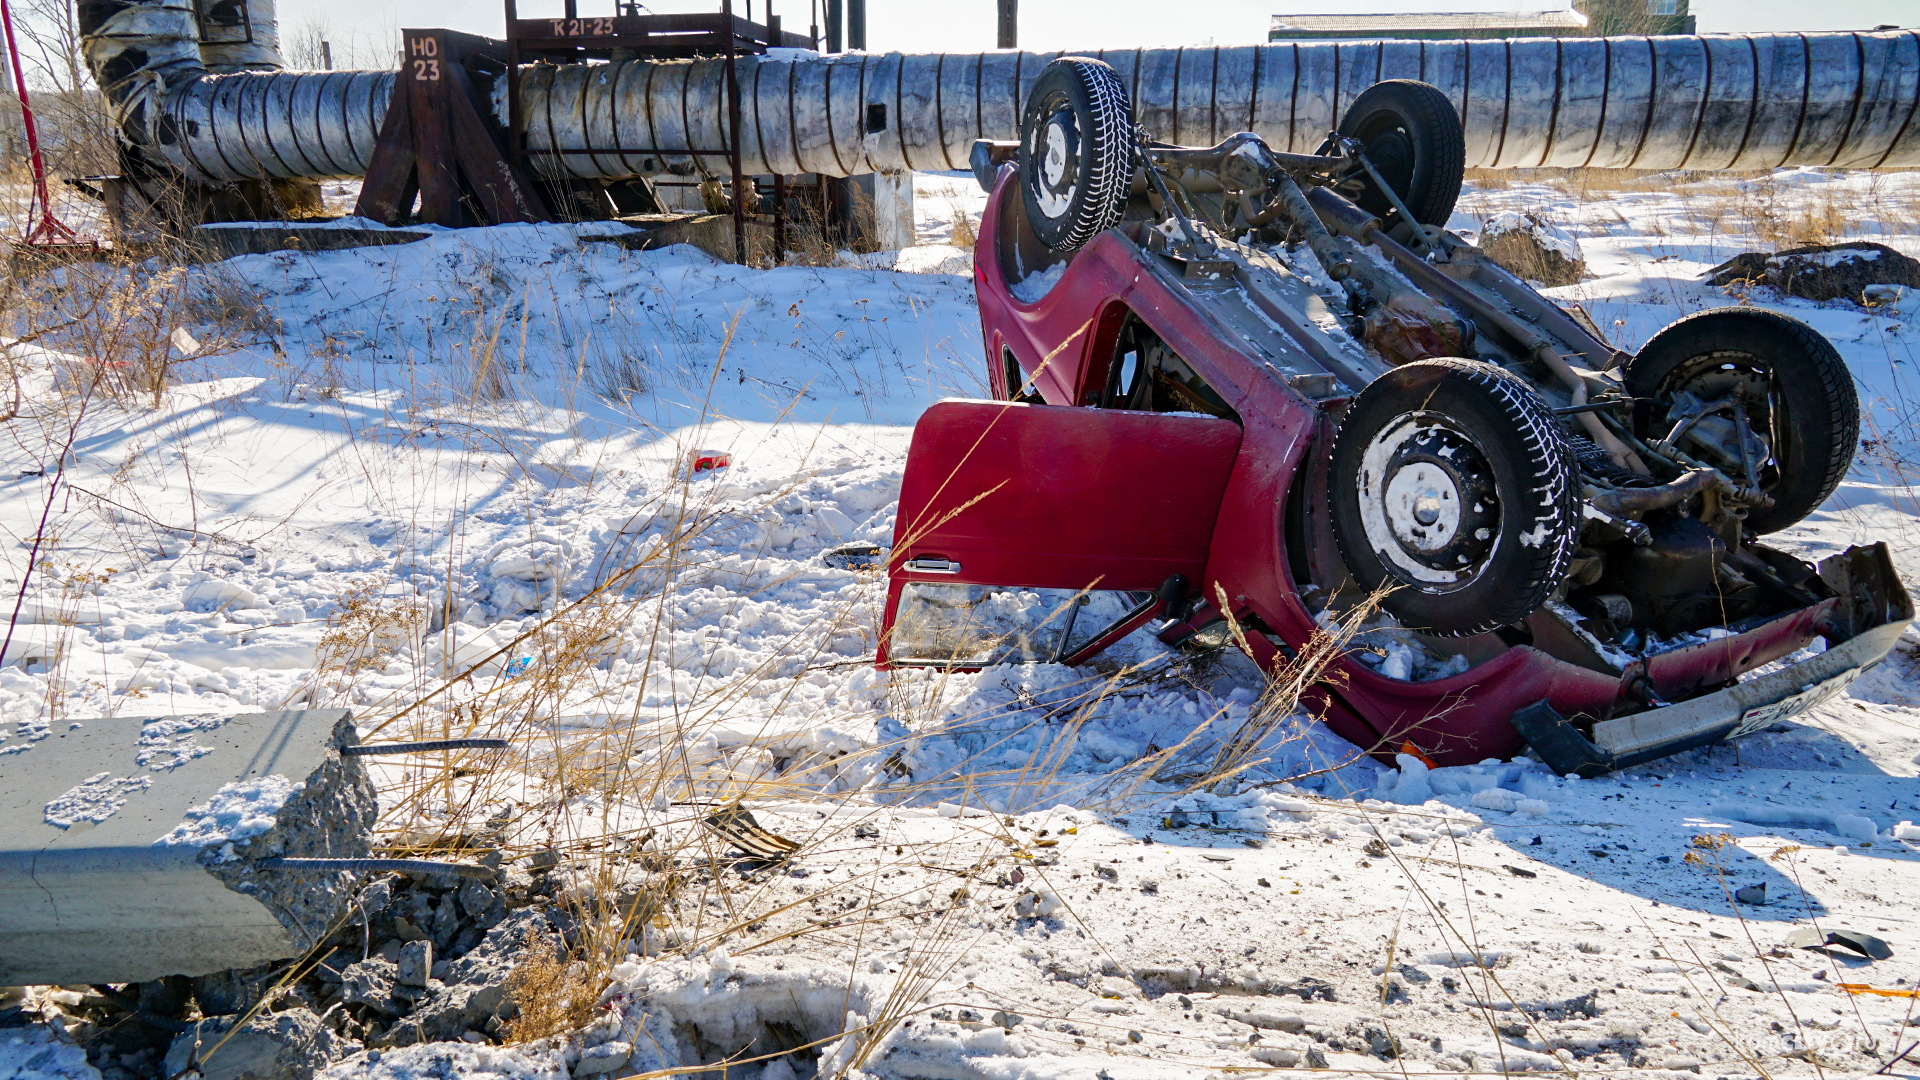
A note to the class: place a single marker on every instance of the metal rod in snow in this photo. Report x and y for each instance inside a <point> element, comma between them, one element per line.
<point>416,867</point>
<point>426,746</point>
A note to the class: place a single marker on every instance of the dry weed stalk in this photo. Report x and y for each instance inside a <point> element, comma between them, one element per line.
<point>966,231</point>
<point>366,634</point>
<point>553,994</point>
<point>1280,700</point>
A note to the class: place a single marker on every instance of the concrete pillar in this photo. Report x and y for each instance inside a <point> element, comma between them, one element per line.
<point>127,845</point>
<point>875,210</point>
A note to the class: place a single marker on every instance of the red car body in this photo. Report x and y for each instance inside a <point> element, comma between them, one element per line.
<point>1061,495</point>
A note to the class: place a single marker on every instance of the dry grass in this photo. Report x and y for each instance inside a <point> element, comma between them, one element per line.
<point>621,803</point>
<point>1587,185</point>
<point>1760,208</point>
<point>552,993</point>
<point>966,231</point>
<point>219,296</point>
<point>1753,203</point>
<point>125,316</point>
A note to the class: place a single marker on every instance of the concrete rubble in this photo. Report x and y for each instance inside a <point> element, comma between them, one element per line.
<point>420,960</point>
<point>153,905</point>
<point>1861,271</point>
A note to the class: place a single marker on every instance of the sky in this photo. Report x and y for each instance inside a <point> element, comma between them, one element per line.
<point>968,25</point>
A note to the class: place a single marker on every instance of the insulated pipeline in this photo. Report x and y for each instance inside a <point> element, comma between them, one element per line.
<point>281,125</point>
<point>1734,102</point>
<point>240,35</point>
<point>254,123</point>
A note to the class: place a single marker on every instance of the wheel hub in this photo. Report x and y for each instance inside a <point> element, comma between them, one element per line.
<point>1427,503</point>
<point>1423,506</point>
<point>1059,162</point>
<point>1392,153</point>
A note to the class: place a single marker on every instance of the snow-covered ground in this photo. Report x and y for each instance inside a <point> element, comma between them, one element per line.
<point>445,484</point>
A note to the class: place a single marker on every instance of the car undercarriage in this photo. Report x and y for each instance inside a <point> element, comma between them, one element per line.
<point>1249,396</point>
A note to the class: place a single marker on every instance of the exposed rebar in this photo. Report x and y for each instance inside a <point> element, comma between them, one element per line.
<point>370,749</point>
<point>418,867</point>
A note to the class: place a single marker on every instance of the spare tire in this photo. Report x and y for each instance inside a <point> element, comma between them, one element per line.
<point>1415,142</point>
<point>1795,389</point>
<point>1452,486</point>
<point>1076,152</point>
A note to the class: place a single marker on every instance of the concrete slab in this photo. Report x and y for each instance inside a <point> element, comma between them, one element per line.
<point>711,233</point>
<point>261,237</point>
<point>127,845</point>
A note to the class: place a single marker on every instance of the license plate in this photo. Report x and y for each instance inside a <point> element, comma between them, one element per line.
<point>1761,716</point>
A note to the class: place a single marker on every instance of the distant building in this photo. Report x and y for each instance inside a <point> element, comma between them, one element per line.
<point>1613,18</point>
<point>1586,18</point>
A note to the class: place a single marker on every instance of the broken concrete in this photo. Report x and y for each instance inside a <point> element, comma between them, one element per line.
<point>415,964</point>
<point>293,1045</point>
<point>119,830</point>
<point>474,993</point>
<point>224,241</point>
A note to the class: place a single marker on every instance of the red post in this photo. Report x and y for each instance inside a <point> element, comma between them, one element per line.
<point>48,230</point>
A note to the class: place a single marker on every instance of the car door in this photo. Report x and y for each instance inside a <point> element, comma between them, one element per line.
<point>1040,533</point>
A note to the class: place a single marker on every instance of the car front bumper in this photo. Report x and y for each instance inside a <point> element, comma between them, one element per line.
<point>1873,612</point>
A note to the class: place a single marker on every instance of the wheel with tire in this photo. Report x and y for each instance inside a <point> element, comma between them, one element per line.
<point>1414,140</point>
<point>1076,152</point>
<point>1787,382</point>
<point>1452,485</point>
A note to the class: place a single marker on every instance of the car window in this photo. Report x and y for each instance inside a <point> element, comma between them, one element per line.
<point>982,625</point>
<point>1146,374</point>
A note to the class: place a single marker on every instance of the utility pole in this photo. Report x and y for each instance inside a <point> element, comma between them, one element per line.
<point>836,19</point>
<point>1009,24</point>
<point>857,24</point>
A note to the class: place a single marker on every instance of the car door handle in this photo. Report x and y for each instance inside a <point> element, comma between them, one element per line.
<point>932,564</point>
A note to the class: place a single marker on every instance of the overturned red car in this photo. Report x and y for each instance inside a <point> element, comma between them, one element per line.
<point>1244,395</point>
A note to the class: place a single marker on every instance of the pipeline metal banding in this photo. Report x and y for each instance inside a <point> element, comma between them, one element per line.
<point>1745,102</point>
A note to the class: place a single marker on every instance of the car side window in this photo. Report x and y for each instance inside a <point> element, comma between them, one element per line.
<point>1145,374</point>
<point>942,625</point>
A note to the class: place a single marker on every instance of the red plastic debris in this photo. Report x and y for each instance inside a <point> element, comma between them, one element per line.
<point>703,460</point>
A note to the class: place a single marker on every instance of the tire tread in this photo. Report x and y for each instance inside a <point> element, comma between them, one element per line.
<point>1433,111</point>
<point>1107,155</point>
